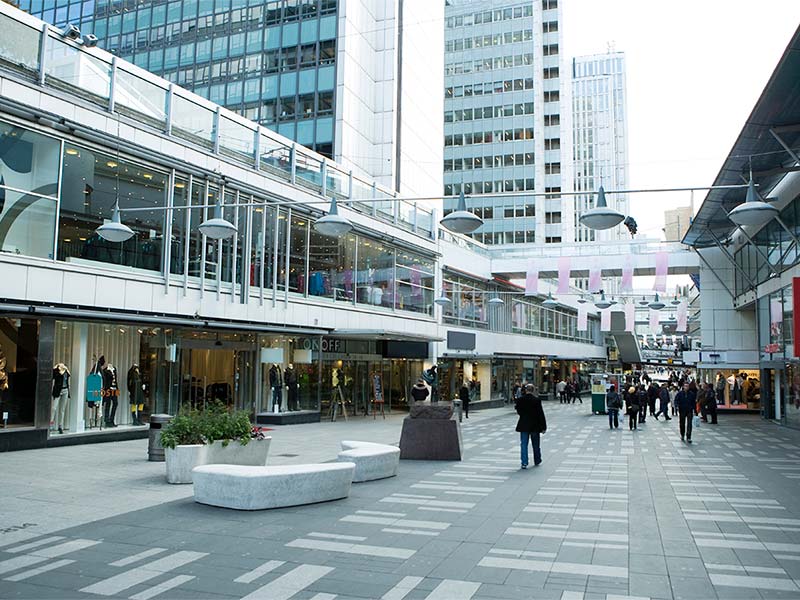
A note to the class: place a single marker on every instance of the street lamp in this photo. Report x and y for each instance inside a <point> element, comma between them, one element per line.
<point>753,211</point>
<point>461,220</point>
<point>115,230</point>
<point>601,216</point>
<point>333,224</point>
<point>656,304</point>
<point>550,302</point>
<point>602,304</point>
<point>217,228</point>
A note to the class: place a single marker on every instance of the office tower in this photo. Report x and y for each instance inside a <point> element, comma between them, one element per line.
<point>600,144</point>
<point>676,223</point>
<point>359,81</point>
<point>504,114</point>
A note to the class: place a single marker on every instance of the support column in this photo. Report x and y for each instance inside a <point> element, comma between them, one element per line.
<point>777,394</point>
<point>80,343</point>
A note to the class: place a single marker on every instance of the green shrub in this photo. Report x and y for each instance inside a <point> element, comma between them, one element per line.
<point>191,426</point>
<point>184,429</point>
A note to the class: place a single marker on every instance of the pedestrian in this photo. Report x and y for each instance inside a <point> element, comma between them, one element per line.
<point>673,391</point>
<point>463,395</point>
<point>631,407</point>
<point>576,391</point>
<point>663,400</point>
<point>420,391</point>
<point>686,399</point>
<point>652,394</point>
<point>708,404</point>
<point>530,425</point>
<point>613,404</point>
<point>561,390</point>
<point>641,400</point>
<point>516,391</point>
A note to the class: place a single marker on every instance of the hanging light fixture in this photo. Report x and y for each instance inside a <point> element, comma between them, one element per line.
<point>581,300</point>
<point>753,211</point>
<point>549,302</point>
<point>675,301</point>
<point>461,220</point>
<point>643,301</point>
<point>115,230</point>
<point>602,304</point>
<point>601,216</point>
<point>656,304</point>
<point>444,299</point>
<point>496,300</point>
<point>217,228</point>
<point>333,224</point>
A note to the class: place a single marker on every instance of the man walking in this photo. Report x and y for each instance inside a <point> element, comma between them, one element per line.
<point>686,400</point>
<point>663,399</point>
<point>530,425</point>
<point>561,390</point>
<point>613,404</point>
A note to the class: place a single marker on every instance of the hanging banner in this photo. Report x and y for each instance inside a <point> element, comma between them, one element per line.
<point>775,318</point>
<point>683,310</point>
<point>563,274</point>
<point>583,319</point>
<point>595,283</point>
<point>662,265</point>
<point>627,275</point>
<point>532,280</point>
<point>630,317</point>
<point>654,319</point>
<point>605,320</point>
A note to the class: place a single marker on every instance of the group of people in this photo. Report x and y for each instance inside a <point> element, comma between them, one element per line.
<point>568,391</point>
<point>687,402</point>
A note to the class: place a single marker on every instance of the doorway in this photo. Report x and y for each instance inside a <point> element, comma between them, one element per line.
<point>218,375</point>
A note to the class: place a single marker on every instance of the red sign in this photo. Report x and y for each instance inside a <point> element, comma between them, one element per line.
<point>796,314</point>
<point>772,348</point>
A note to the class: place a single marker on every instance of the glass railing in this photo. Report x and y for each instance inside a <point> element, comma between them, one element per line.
<point>114,84</point>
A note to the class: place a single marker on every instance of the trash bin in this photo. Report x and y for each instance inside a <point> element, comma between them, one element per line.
<point>155,451</point>
<point>457,408</point>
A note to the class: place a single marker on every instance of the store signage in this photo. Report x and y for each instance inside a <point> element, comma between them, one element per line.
<point>324,345</point>
<point>796,314</point>
<point>772,348</point>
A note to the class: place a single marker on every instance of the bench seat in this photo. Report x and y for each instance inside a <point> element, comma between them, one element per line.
<point>372,461</point>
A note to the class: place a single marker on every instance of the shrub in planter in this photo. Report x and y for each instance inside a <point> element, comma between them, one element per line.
<point>184,430</point>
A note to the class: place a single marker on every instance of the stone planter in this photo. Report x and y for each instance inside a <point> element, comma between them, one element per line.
<point>181,460</point>
<point>254,454</point>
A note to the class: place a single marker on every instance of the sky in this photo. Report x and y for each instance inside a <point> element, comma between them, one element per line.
<point>695,69</point>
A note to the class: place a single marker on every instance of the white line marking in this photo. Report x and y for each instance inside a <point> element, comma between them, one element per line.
<point>165,586</point>
<point>127,579</point>
<point>36,544</point>
<point>43,569</point>
<point>364,549</point>
<point>122,562</point>
<point>251,576</point>
<point>401,590</point>
<point>287,585</point>
<point>450,589</point>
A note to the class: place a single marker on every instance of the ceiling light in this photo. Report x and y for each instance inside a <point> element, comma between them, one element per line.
<point>461,220</point>
<point>550,302</point>
<point>496,301</point>
<point>643,301</point>
<point>601,216</point>
<point>602,304</point>
<point>443,300</point>
<point>180,185</point>
<point>111,164</point>
<point>217,228</point>
<point>72,151</point>
<point>333,224</point>
<point>115,230</point>
<point>753,211</point>
<point>582,300</point>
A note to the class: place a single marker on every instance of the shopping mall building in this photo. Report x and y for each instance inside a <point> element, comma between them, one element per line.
<point>172,317</point>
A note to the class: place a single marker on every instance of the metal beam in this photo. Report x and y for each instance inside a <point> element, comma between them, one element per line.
<point>784,145</point>
<point>732,260</point>
<point>759,250</point>
<point>714,273</point>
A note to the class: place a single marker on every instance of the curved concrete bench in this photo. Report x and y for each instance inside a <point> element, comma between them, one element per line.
<point>257,488</point>
<point>372,461</point>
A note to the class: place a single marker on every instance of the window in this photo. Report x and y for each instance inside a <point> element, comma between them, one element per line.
<point>19,351</point>
<point>549,4</point>
<point>552,239</point>
<point>550,73</point>
<point>549,26</point>
<point>550,49</point>
<point>552,217</point>
<point>550,120</point>
<point>552,144</point>
<point>552,168</point>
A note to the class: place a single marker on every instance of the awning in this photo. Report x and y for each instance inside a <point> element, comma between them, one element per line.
<point>380,334</point>
<point>773,125</point>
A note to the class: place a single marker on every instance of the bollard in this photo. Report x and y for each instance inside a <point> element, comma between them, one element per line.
<point>155,451</point>
<point>457,407</point>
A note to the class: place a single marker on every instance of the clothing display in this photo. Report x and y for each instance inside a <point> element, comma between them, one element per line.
<point>60,395</point>
<point>136,394</point>
<point>276,383</point>
<point>110,395</point>
<point>290,380</point>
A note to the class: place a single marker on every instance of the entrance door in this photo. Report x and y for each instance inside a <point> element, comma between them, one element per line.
<point>208,376</point>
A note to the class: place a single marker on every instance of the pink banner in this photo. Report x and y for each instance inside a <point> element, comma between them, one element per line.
<point>630,317</point>
<point>583,319</point>
<point>605,320</point>
<point>627,275</point>
<point>662,265</point>
<point>654,318</point>
<point>532,280</point>
<point>775,318</point>
<point>595,282</point>
<point>683,310</point>
<point>563,274</point>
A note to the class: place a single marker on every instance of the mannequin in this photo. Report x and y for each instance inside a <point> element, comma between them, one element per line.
<point>110,393</point>
<point>94,389</point>
<point>276,383</point>
<point>290,379</point>
<point>135,392</point>
<point>61,376</point>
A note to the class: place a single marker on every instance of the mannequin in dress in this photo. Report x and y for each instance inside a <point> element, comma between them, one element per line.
<point>276,383</point>
<point>290,380</point>
<point>110,395</point>
<point>135,393</point>
<point>60,395</point>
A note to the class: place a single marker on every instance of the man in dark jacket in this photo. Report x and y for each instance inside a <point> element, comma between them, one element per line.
<point>463,395</point>
<point>420,391</point>
<point>613,404</point>
<point>641,400</point>
<point>686,400</point>
<point>663,399</point>
<point>531,423</point>
<point>652,394</point>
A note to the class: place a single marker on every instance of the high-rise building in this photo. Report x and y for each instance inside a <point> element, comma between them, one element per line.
<point>676,223</point>
<point>505,108</point>
<point>347,78</point>
<point>600,140</point>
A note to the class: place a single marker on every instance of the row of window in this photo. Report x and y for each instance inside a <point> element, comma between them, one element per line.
<point>500,135</point>
<point>486,41</point>
<point>488,64</point>
<point>490,16</point>
<point>485,89</point>
<point>491,187</point>
<point>502,160</point>
<point>488,112</point>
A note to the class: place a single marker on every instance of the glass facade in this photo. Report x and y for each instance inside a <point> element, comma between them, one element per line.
<point>272,62</point>
<point>502,92</point>
<point>19,356</point>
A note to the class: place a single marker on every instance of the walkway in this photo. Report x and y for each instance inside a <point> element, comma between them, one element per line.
<point>608,515</point>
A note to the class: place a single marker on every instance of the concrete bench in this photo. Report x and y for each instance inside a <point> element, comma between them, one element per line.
<point>258,488</point>
<point>372,461</point>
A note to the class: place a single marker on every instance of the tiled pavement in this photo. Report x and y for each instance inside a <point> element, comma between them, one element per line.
<point>608,515</point>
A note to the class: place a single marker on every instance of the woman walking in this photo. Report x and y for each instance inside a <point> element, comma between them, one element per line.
<point>632,407</point>
<point>531,423</point>
<point>463,395</point>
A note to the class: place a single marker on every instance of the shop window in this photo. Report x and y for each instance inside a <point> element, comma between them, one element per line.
<point>330,266</point>
<point>19,347</point>
<point>29,165</point>
<point>93,182</point>
<point>297,254</point>
<point>375,273</point>
<point>414,283</point>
